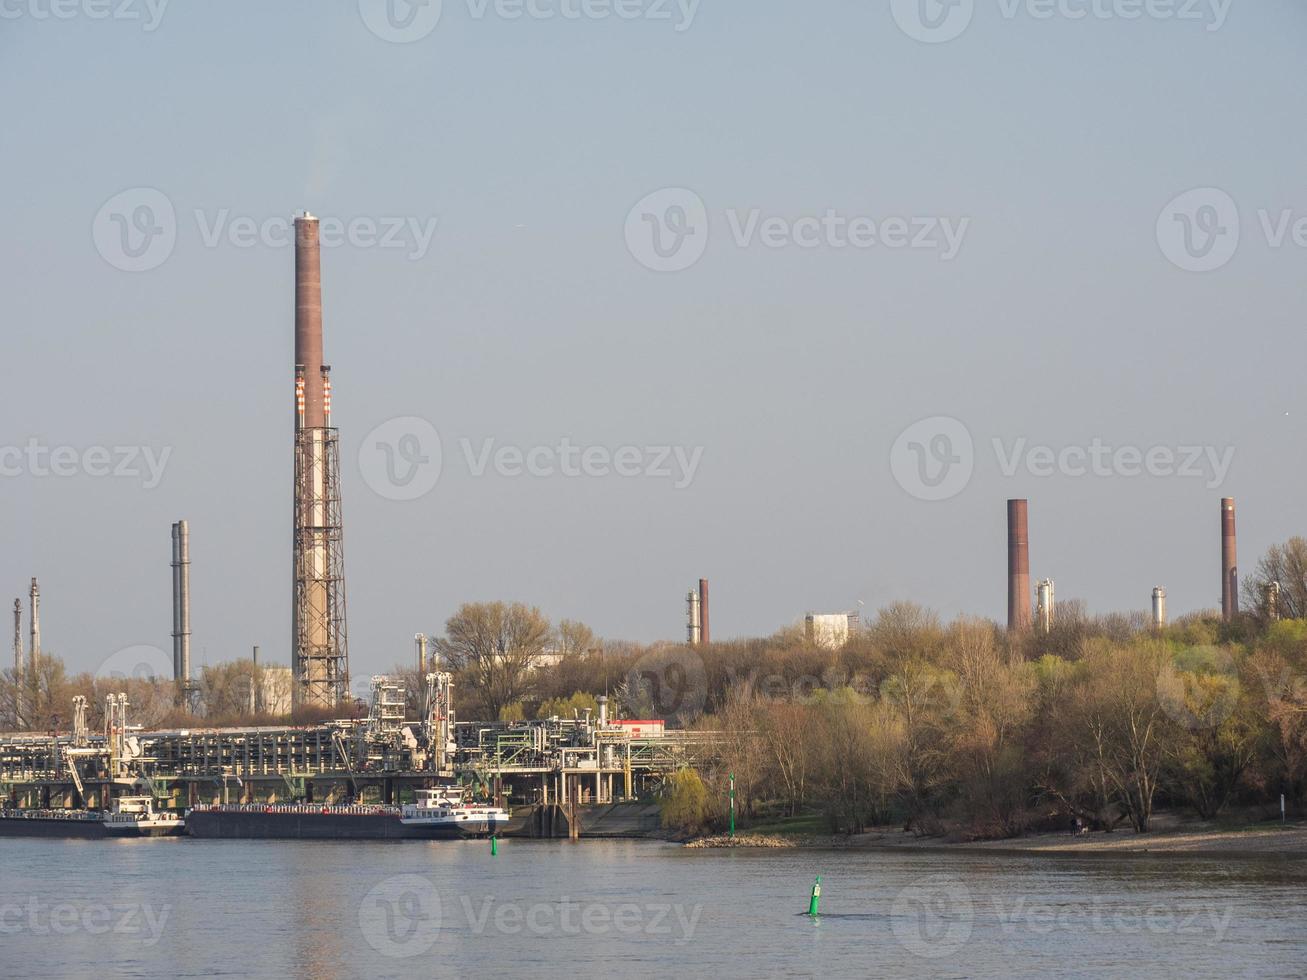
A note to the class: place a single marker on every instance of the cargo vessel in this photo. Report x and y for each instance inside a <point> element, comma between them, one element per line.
<point>437,814</point>
<point>52,823</point>
<point>131,816</point>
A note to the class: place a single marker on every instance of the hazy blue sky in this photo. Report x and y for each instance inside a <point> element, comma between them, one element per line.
<point>1054,143</point>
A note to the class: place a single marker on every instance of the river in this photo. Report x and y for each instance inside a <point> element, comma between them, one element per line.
<point>187,908</point>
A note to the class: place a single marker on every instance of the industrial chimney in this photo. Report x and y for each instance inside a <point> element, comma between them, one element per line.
<point>181,605</point>
<point>256,684</point>
<point>704,636</point>
<point>319,643</point>
<point>420,641</point>
<point>1229,562</point>
<point>692,619</point>
<point>18,661</point>
<point>34,597</point>
<point>18,640</point>
<point>1159,608</point>
<point>1018,566</point>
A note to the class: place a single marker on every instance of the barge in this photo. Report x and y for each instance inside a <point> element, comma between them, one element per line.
<point>132,816</point>
<point>438,814</point>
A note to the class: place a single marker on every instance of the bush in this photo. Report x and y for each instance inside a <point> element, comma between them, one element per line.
<point>686,806</point>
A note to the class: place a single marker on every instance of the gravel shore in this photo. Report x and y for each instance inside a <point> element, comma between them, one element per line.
<point>1288,842</point>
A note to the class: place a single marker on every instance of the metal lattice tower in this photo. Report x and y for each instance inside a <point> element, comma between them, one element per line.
<point>321,663</point>
<point>319,640</point>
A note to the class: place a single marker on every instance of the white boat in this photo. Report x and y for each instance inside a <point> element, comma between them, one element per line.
<point>135,816</point>
<point>446,812</point>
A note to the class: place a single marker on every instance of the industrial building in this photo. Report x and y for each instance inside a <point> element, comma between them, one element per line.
<point>829,631</point>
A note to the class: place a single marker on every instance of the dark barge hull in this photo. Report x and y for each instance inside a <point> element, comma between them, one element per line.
<point>316,826</point>
<point>51,827</point>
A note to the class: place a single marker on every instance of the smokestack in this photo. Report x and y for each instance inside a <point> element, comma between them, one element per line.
<point>704,636</point>
<point>692,620</point>
<point>1018,565</point>
<point>420,641</point>
<point>603,710</point>
<point>34,596</point>
<point>1159,608</point>
<point>319,643</point>
<point>18,661</point>
<point>308,319</point>
<point>256,685</point>
<point>181,602</point>
<point>18,639</point>
<point>1229,562</point>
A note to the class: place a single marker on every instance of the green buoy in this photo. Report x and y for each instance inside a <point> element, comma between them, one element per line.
<point>494,845</point>
<point>816,897</point>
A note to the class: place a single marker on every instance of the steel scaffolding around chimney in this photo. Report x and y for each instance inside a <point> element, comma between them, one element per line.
<point>319,643</point>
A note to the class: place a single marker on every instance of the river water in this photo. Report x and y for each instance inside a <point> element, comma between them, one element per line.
<point>187,908</point>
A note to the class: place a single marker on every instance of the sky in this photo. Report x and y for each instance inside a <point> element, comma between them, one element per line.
<point>791,296</point>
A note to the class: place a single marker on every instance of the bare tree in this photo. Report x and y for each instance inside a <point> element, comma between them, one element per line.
<point>1287,564</point>
<point>1119,716</point>
<point>496,646</point>
<point>575,639</point>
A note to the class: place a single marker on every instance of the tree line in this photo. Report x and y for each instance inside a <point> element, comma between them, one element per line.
<point>939,727</point>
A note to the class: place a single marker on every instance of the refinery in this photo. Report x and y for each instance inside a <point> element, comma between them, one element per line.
<point>568,488</point>
<point>555,777</point>
<point>565,773</point>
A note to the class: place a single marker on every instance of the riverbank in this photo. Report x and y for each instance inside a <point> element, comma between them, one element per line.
<point>1256,841</point>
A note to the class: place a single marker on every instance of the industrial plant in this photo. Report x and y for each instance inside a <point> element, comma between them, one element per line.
<point>557,767</point>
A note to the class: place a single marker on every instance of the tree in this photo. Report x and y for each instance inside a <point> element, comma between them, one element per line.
<point>742,752</point>
<point>496,646</point>
<point>575,639</point>
<point>905,631</point>
<point>1279,684</point>
<point>574,707</point>
<point>1123,725</point>
<point>227,689</point>
<point>784,729</point>
<point>686,805</point>
<point>1287,564</point>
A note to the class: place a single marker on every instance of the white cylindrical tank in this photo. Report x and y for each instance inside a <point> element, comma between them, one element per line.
<point>1159,607</point>
<point>1044,605</point>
